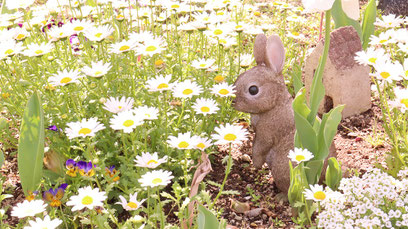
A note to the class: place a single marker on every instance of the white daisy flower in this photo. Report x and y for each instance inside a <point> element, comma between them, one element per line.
<point>403,47</point>
<point>156,178</point>
<point>38,49</point>
<point>220,30</point>
<point>229,134</point>
<point>148,160</point>
<point>97,69</point>
<point>246,60</point>
<point>205,106</point>
<point>389,21</point>
<point>116,105</point>
<point>18,4</point>
<point>405,69</point>
<point>315,193</point>
<point>371,56</point>
<point>45,223</point>
<point>298,155</point>
<point>62,78</point>
<point>28,208</point>
<point>57,33</point>
<point>151,47</point>
<point>98,33</point>
<point>401,99</point>
<point>201,143</point>
<point>20,33</point>
<point>142,36</point>
<point>147,113</point>
<point>79,26</point>
<point>382,39</point>
<point>388,71</point>
<point>160,83</point>
<point>133,204</point>
<point>126,121</point>
<point>202,63</point>
<point>83,128</point>
<point>123,46</point>
<point>87,198</point>
<point>186,89</point>
<point>182,141</point>
<point>9,48</point>
<point>223,89</point>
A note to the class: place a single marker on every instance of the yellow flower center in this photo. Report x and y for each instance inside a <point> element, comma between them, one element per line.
<point>223,92</point>
<point>219,78</point>
<point>187,91</point>
<point>66,80</point>
<point>202,65</point>
<point>372,60</point>
<point>9,51</point>
<point>405,102</point>
<point>230,137</point>
<point>157,181</point>
<point>201,145</point>
<point>300,158</point>
<point>38,52</point>
<point>162,85</point>
<point>256,13</point>
<point>175,6</point>
<point>124,48</point>
<point>295,33</point>
<point>152,162</point>
<point>383,41</point>
<point>385,75</point>
<point>20,36</point>
<point>79,28</point>
<point>128,123</point>
<point>132,205</point>
<point>406,73</point>
<point>120,17</point>
<point>97,73</point>
<point>183,145</point>
<point>220,13</point>
<point>319,195</point>
<point>98,35</point>
<point>120,107</point>
<point>61,33</point>
<point>217,32</point>
<point>85,131</point>
<point>158,62</point>
<point>238,27</point>
<point>151,48</point>
<point>87,200</point>
<point>205,109</point>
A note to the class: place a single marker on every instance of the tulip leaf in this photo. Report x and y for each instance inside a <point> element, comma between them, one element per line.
<point>341,19</point>
<point>370,15</point>
<point>206,219</point>
<point>333,173</point>
<point>4,9</point>
<point>31,145</point>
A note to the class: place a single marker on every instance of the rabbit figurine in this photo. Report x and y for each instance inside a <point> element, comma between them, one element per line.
<point>261,91</point>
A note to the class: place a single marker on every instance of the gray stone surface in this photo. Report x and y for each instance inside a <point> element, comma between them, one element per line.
<point>346,82</point>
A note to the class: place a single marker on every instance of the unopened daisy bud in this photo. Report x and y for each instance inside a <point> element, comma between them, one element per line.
<point>95,161</point>
<point>81,46</point>
<point>158,62</point>
<point>93,85</point>
<point>132,64</point>
<point>64,116</point>
<point>219,78</point>
<point>102,100</point>
<point>50,58</point>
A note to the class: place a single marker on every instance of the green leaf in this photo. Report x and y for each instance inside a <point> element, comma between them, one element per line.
<point>333,173</point>
<point>341,19</point>
<point>313,171</point>
<point>328,130</point>
<point>3,123</point>
<point>297,78</point>
<point>31,145</point>
<point>370,15</point>
<point>206,219</point>
<point>305,131</point>
<point>1,158</point>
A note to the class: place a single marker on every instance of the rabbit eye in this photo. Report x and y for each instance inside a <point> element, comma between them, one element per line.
<point>253,90</point>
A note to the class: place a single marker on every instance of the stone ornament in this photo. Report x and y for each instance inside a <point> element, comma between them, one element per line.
<point>346,82</point>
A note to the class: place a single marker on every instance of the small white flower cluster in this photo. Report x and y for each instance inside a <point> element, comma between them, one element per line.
<point>376,200</point>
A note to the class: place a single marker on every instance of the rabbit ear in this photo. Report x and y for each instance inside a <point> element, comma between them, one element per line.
<point>274,53</point>
<point>259,48</point>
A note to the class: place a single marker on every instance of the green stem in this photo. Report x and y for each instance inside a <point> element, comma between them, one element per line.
<point>227,172</point>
